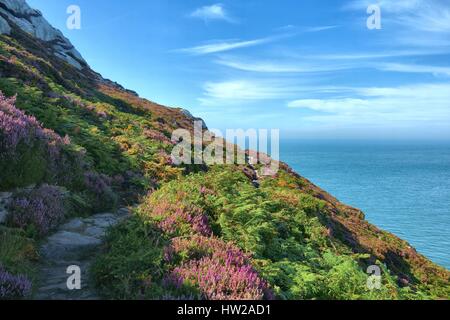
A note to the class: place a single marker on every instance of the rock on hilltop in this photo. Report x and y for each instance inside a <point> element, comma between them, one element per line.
<point>32,22</point>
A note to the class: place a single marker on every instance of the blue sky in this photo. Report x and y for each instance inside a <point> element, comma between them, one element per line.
<point>312,69</point>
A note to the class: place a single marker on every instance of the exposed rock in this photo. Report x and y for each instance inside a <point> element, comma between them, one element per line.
<point>31,21</point>
<point>3,214</point>
<point>190,116</point>
<point>66,244</point>
<point>4,26</point>
<point>5,197</point>
<point>75,243</point>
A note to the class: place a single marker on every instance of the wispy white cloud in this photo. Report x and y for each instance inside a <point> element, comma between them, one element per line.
<point>213,12</point>
<point>246,90</point>
<point>249,90</point>
<point>319,28</point>
<point>378,105</point>
<point>377,55</point>
<point>413,23</point>
<point>388,5</point>
<point>228,45</point>
<point>271,66</point>
<point>429,19</point>
<point>304,29</point>
<point>415,68</point>
<point>333,63</point>
<point>331,105</point>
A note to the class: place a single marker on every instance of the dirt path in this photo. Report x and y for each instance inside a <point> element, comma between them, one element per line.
<point>75,243</point>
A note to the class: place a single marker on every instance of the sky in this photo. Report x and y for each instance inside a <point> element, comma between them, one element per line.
<point>312,69</point>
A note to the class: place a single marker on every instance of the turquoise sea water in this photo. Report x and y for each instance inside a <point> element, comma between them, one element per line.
<point>403,187</point>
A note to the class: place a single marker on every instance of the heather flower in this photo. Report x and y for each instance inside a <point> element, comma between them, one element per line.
<point>197,247</point>
<point>218,281</point>
<point>43,208</point>
<point>157,136</point>
<point>13,287</point>
<point>23,137</point>
<point>204,191</point>
<point>172,219</point>
<point>102,114</point>
<point>220,270</point>
<point>99,188</point>
<point>16,127</point>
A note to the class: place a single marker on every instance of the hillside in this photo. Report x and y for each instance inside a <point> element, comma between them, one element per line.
<point>74,144</point>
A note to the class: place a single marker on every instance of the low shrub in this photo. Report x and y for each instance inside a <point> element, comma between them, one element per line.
<point>178,220</point>
<point>132,265</point>
<point>13,286</point>
<point>219,270</point>
<point>38,210</point>
<point>99,192</point>
<point>30,153</point>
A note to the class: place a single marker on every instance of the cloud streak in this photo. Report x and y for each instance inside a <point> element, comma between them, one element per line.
<point>223,46</point>
<point>271,66</point>
<point>416,103</point>
<point>243,91</point>
<point>228,45</point>
<point>414,68</point>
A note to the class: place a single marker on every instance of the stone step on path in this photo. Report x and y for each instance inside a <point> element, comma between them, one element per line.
<point>5,198</point>
<point>76,242</point>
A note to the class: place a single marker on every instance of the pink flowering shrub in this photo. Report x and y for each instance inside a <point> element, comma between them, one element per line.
<point>38,210</point>
<point>157,136</point>
<point>29,153</point>
<point>13,287</point>
<point>16,127</point>
<point>99,191</point>
<point>220,270</point>
<point>199,262</point>
<point>196,247</point>
<point>174,219</point>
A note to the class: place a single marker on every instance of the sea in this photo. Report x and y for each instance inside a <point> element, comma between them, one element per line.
<point>402,187</point>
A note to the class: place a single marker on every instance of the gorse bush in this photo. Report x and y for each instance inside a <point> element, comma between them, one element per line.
<point>38,210</point>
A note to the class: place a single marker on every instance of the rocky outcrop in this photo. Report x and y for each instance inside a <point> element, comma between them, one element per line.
<point>18,12</point>
<point>191,117</point>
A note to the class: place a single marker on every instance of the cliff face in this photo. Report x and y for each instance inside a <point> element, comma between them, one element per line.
<point>294,239</point>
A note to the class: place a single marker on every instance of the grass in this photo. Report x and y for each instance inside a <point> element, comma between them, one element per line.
<point>18,253</point>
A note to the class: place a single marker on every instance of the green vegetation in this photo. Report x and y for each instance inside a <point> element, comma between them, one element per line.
<point>281,229</point>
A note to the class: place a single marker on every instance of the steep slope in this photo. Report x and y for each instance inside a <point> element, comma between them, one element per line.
<point>285,239</point>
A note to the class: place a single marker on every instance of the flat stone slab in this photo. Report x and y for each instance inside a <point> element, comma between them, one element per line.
<point>66,244</point>
<point>5,198</point>
<point>74,243</point>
